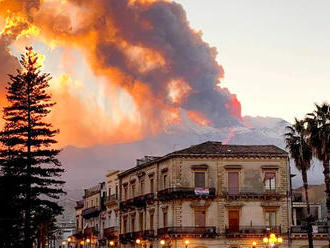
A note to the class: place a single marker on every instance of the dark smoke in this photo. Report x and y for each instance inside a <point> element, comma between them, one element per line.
<point>187,56</point>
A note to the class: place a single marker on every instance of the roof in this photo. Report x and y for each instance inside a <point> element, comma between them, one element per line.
<point>217,149</point>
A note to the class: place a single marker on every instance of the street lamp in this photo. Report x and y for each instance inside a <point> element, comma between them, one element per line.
<point>69,241</point>
<point>254,244</point>
<point>112,243</point>
<point>272,240</point>
<point>186,243</point>
<point>162,242</point>
<point>138,241</point>
<point>63,243</point>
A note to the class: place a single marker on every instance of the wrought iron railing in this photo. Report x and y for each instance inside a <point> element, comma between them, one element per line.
<point>188,230</point>
<point>185,192</point>
<point>138,201</point>
<point>253,229</point>
<point>111,231</point>
<point>303,229</point>
<point>111,198</point>
<point>90,212</point>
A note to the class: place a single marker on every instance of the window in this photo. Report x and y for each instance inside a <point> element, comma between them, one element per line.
<point>164,219</point>
<point>151,185</point>
<point>125,224</point>
<point>164,181</point>
<point>270,218</point>
<point>269,180</point>
<point>109,190</point>
<point>141,221</point>
<point>117,190</point>
<point>142,187</point>
<point>133,190</point>
<point>233,182</point>
<point>125,192</point>
<point>200,218</point>
<point>151,221</point>
<point>133,224</point>
<point>199,179</point>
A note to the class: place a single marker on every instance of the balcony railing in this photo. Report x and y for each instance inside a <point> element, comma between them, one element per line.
<point>148,234</point>
<point>130,236</point>
<point>205,231</point>
<point>90,212</point>
<point>252,230</point>
<point>138,201</point>
<point>248,192</point>
<point>185,192</point>
<point>303,229</point>
<point>111,231</point>
<point>90,231</point>
<point>111,199</point>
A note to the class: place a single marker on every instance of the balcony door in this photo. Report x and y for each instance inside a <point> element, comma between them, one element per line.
<point>233,220</point>
<point>200,218</point>
<point>233,182</point>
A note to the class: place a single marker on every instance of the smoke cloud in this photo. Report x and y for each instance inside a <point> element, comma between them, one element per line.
<point>147,49</point>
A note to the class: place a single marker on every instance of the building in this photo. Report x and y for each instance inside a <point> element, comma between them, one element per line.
<point>92,215</point>
<point>317,200</point>
<point>207,195</point>
<point>111,218</point>
<point>213,195</point>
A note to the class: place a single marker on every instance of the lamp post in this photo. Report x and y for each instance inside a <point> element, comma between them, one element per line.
<point>272,240</point>
<point>186,243</point>
<point>112,243</point>
<point>69,242</point>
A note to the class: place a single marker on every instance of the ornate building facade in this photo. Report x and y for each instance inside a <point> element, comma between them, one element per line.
<point>209,195</point>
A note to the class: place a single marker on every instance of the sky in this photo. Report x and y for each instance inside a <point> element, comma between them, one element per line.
<point>275,54</point>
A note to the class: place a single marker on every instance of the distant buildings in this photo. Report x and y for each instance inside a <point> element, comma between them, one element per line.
<point>208,195</point>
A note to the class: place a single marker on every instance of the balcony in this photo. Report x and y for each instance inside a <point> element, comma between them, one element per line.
<point>111,199</point>
<point>111,232</point>
<point>130,236</point>
<point>138,201</point>
<point>90,231</point>
<point>90,212</point>
<point>252,231</point>
<point>202,232</point>
<point>250,192</point>
<point>185,193</point>
<point>148,234</point>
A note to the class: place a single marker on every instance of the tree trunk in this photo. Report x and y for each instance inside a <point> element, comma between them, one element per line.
<point>308,219</point>
<point>27,227</point>
<point>327,191</point>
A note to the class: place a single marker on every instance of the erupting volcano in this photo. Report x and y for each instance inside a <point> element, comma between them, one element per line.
<point>122,69</point>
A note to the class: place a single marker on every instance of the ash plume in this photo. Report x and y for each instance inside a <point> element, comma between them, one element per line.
<point>147,48</point>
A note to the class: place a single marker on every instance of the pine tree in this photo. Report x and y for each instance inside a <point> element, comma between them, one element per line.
<point>27,140</point>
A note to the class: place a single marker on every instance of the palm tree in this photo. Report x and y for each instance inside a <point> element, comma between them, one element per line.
<point>301,153</point>
<point>319,139</point>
